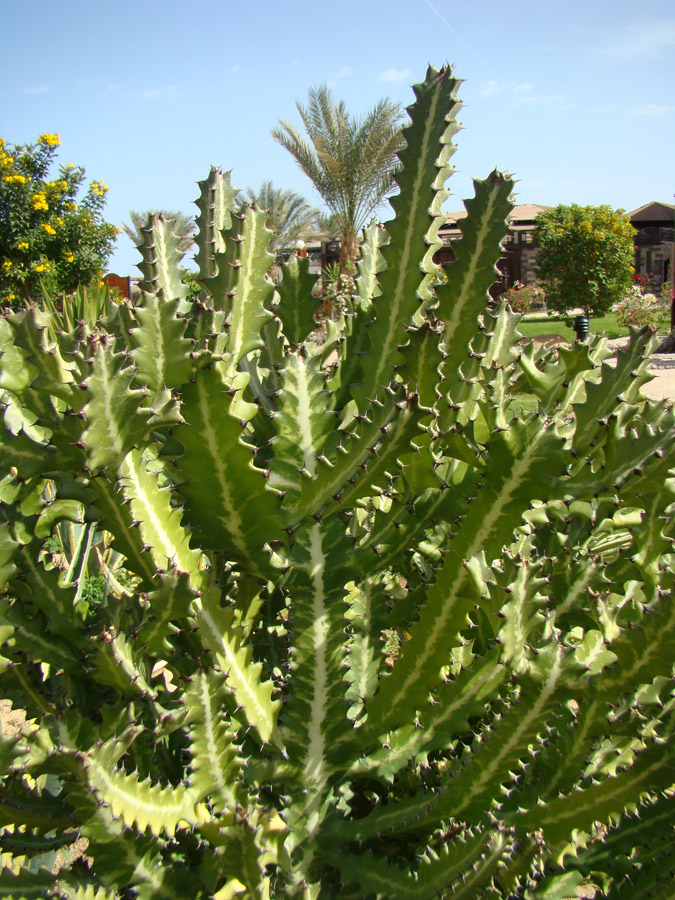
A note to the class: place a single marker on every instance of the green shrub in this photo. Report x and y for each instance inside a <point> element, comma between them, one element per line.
<point>585,257</point>
<point>419,634</point>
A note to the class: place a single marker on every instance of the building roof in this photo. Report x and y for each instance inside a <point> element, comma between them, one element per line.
<point>653,212</point>
<point>522,214</point>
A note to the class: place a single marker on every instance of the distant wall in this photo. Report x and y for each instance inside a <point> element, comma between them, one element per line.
<point>120,282</point>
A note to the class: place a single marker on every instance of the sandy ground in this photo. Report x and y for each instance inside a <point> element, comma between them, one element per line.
<point>663,370</point>
<point>663,385</point>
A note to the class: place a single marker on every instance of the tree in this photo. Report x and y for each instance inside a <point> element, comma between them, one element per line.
<point>328,225</point>
<point>47,239</point>
<point>350,161</point>
<point>183,225</point>
<point>585,257</point>
<point>289,215</point>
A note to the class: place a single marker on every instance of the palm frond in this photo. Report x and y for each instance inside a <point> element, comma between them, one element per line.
<point>289,215</point>
<point>184,226</point>
<point>349,160</point>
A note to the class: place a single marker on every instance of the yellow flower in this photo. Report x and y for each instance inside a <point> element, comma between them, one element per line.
<point>22,245</point>
<point>70,166</point>
<point>6,265</point>
<point>51,140</point>
<point>14,179</point>
<point>62,185</point>
<point>48,228</point>
<point>6,160</point>
<point>99,188</point>
<point>42,267</point>
<point>39,201</point>
<point>70,257</point>
<point>11,297</point>
<point>2,143</point>
<point>59,220</point>
<point>72,205</point>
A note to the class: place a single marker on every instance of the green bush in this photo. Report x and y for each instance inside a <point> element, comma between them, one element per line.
<point>419,633</point>
<point>585,258</point>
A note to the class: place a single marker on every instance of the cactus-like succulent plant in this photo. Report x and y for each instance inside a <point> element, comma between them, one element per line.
<point>399,622</point>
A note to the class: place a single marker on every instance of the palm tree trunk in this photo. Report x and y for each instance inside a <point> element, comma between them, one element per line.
<point>349,252</point>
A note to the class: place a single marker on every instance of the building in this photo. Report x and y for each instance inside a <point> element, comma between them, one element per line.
<point>654,243</point>
<point>520,255</point>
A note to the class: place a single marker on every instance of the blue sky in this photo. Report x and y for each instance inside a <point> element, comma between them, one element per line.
<point>576,99</point>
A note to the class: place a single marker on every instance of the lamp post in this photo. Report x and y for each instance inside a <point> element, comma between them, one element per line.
<point>581,327</point>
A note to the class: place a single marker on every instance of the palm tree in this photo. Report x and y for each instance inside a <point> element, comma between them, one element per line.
<point>328,227</point>
<point>350,161</point>
<point>184,226</point>
<point>289,215</point>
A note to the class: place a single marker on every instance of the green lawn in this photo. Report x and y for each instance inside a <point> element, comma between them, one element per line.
<point>606,325</point>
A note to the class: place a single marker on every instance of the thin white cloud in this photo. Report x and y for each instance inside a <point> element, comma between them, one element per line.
<point>233,70</point>
<point>547,101</point>
<point>158,93</point>
<point>107,91</point>
<point>458,36</point>
<point>36,89</point>
<point>652,109</point>
<point>647,40</point>
<point>524,94</point>
<point>648,109</point>
<point>394,76</point>
<point>493,88</point>
<point>344,72</point>
<point>294,62</point>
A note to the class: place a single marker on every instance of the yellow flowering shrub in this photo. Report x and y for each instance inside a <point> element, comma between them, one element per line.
<point>52,231</point>
<point>50,140</point>
<point>585,258</point>
<point>39,201</point>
